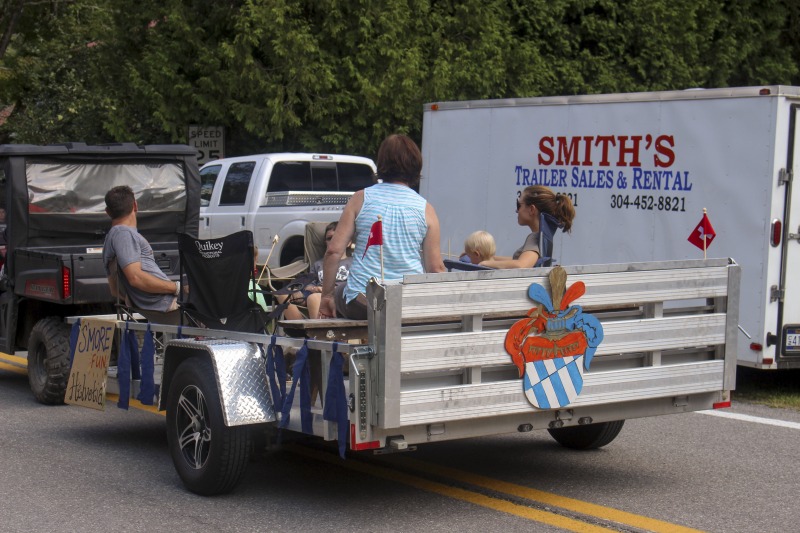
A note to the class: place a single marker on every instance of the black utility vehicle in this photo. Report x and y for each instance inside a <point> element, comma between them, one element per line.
<point>55,226</point>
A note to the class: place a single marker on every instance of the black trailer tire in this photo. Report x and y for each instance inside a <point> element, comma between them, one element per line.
<point>209,456</point>
<point>588,437</point>
<point>48,360</point>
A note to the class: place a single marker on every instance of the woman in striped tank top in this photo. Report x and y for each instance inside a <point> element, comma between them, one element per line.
<point>410,232</point>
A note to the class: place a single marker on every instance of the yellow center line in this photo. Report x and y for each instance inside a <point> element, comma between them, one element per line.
<point>136,404</point>
<point>13,368</point>
<point>544,517</point>
<point>547,498</point>
<point>14,359</point>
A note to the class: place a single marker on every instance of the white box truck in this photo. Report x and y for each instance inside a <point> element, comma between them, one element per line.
<point>640,168</point>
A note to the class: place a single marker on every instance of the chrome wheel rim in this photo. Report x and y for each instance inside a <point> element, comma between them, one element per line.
<point>194,431</point>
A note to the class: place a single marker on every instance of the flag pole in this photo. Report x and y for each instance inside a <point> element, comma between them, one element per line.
<point>379,220</point>
<point>705,237</point>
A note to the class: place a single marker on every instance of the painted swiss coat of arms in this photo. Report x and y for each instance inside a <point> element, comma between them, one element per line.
<point>555,344</point>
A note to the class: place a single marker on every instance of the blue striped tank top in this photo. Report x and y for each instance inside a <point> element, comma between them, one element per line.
<point>404,227</point>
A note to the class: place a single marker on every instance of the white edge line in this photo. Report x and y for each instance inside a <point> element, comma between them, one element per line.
<point>756,419</point>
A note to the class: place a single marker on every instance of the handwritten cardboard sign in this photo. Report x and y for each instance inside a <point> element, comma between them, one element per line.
<point>87,378</point>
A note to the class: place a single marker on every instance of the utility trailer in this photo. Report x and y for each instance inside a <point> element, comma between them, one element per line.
<point>573,350</point>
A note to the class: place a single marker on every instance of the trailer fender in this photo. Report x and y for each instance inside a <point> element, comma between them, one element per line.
<point>239,372</point>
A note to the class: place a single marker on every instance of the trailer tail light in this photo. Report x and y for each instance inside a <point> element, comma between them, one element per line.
<point>363,445</point>
<point>764,92</point>
<point>434,107</point>
<point>66,286</point>
<point>721,405</point>
<point>775,235</point>
<point>756,346</point>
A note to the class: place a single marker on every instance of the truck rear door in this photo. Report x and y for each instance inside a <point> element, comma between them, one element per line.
<point>229,207</point>
<point>789,314</point>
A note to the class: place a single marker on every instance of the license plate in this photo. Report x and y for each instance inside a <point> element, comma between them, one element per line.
<point>791,339</point>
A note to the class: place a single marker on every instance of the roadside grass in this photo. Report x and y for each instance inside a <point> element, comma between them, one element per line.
<point>774,388</point>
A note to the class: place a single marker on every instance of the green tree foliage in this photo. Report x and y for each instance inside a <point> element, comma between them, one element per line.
<point>44,72</point>
<point>338,75</point>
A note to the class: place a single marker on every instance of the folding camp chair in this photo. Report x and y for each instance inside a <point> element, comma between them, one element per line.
<point>220,274</point>
<point>273,278</point>
<point>548,226</point>
<point>314,249</point>
<point>454,264</point>
<point>314,244</point>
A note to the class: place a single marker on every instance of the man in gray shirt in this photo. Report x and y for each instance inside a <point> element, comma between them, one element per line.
<point>128,257</point>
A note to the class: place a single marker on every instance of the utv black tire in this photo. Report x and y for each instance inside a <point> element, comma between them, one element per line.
<point>588,437</point>
<point>209,456</point>
<point>48,360</point>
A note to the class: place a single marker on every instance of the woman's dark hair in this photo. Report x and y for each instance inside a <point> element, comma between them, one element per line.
<point>119,201</point>
<point>399,159</point>
<point>557,205</point>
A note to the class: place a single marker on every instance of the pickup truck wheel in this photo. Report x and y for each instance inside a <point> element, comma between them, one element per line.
<point>209,456</point>
<point>48,360</point>
<point>587,437</point>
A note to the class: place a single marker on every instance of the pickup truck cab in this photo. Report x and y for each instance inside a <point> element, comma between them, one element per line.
<point>275,195</point>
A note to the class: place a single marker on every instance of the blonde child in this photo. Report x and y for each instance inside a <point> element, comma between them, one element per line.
<point>478,247</point>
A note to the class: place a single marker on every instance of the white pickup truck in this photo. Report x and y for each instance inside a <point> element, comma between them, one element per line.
<point>275,195</point>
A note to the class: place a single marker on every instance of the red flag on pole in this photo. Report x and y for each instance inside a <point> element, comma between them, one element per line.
<point>703,234</point>
<point>375,236</point>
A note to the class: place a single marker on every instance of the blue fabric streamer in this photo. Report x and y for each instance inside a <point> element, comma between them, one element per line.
<point>147,391</point>
<point>73,340</point>
<point>124,369</point>
<point>335,409</point>
<point>136,364</point>
<point>302,373</point>
<point>276,367</point>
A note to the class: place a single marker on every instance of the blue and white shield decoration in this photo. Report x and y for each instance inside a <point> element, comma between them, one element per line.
<point>554,344</point>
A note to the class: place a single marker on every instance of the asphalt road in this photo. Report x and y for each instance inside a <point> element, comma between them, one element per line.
<point>73,469</point>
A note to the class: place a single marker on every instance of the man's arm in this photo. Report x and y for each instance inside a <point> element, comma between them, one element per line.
<point>145,282</point>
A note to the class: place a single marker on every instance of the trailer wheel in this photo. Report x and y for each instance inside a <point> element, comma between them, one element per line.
<point>209,456</point>
<point>588,437</point>
<point>48,360</point>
